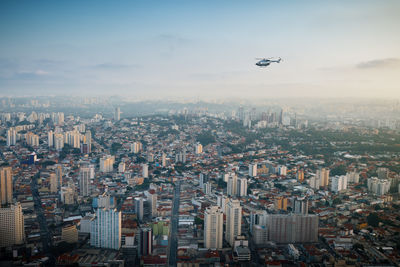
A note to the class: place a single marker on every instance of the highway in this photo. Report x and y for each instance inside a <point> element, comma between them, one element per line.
<point>173,233</point>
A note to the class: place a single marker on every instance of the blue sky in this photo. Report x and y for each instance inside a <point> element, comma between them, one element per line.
<point>200,48</point>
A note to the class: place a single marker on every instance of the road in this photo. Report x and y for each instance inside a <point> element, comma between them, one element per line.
<point>44,230</point>
<point>173,233</point>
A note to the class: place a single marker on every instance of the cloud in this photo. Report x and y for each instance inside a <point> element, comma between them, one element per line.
<point>115,66</point>
<point>380,63</point>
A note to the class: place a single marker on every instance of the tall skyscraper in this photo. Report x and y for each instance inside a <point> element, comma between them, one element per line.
<point>232,185</point>
<point>323,175</point>
<point>105,229</point>
<point>139,208</point>
<point>11,137</point>
<point>339,183</point>
<point>6,186</point>
<point>88,141</point>
<point>84,181</point>
<point>233,221</point>
<point>203,178</point>
<point>106,201</point>
<point>353,177</point>
<point>11,226</point>
<point>213,227</point>
<point>242,187</point>
<point>198,148</point>
<point>300,175</point>
<point>107,163</point>
<point>50,139</point>
<point>59,174</point>
<point>281,203</point>
<point>222,200</point>
<point>117,114</point>
<point>145,242</point>
<point>53,183</point>
<point>58,141</point>
<point>300,206</point>
<point>136,147</point>
<point>145,171</point>
<point>253,170</point>
<point>163,160</point>
<point>152,198</point>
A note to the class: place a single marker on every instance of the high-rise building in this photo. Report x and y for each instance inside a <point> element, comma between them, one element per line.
<point>73,138</point>
<point>353,177</point>
<point>139,208</point>
<point>222,200</point>
<point>11,137</point>
<point>67,195</point>
<point>300,175</point>
<point>314,182</point>
<point>50,139</point>
<point>258,217</point>
<point>163,160</point>
<point>69,234</point>
<point>203,178</point>
<point>136,147</point>
<point>6,186</point>
<point>281,203</point>
<point>58,141</point>
<point>107,163</point>
<point>84,181</point>
<point>145,171</point>
<point>253,170</point>
<point>145,242</point>
<point>152,198</point>
<point>32,139</point>
<point>260,234</point>
<point>59,175</point>
<point>292,228</point>
<point>150,157</point>
<point>105,201</point>
<point>121,167</point>
<point>300,206</point>
<point>242,187</point>
<point>207,188</point>
<point>383,173</point>
<point>180,157</point>
<point>105,229</point>
<point>117,114</point>
<point>232,185</point>
<point>53,183</point>
<point>88,142</point>
<point>378,186</point>
<point>323,175</point>
<point>339,183</point>
<point>233,221</point>
<point>213,227</point>
<point>198,148</point>
<point>11,226</point>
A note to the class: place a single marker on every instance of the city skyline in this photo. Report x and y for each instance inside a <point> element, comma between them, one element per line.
<point>200,49</point>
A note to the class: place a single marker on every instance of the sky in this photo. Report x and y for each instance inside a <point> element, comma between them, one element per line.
<point>204,49</point>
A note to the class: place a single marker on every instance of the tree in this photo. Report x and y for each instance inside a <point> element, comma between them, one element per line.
<point>373,219</point>
<point>222,183</point>
<point>337,201</point>
<point>198,221</point>
<point>338,170</point>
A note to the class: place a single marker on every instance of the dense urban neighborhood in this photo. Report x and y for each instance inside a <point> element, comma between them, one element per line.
<point>88,182</point>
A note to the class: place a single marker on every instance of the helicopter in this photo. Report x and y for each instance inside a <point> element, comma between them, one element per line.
<point>264,62</point>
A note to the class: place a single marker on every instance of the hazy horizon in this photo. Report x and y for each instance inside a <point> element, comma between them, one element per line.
<point>201,49</point>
